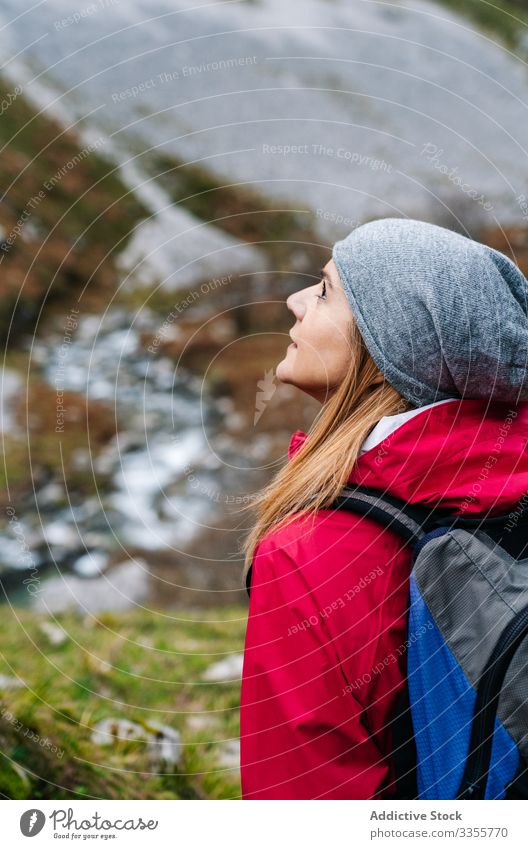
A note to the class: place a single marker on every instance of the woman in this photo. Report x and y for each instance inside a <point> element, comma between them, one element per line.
<point>415,342</point>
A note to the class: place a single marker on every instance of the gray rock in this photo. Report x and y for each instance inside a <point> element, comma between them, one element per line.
<point>163,743</point>
<point>107,731</point>
<point>228,669</point>
<point>121,588</point>
<point>92,563</point>
<point>55,634</point>
<point>198,722</point>
<point>11,388</point>
<point>229,754</point>
<point>9,683</point>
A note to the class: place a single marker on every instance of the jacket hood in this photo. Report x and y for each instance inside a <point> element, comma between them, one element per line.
<point>466,454</point>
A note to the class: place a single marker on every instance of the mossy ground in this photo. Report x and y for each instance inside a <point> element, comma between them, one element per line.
<point>504,18</point>
<point>138,666</point>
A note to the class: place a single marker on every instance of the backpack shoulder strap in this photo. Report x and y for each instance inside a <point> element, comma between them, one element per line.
<point>410,521</point>
<point>414,522</point>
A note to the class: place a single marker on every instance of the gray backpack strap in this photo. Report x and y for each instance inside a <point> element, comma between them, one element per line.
<point>411,521</point>
<point>416,521</point>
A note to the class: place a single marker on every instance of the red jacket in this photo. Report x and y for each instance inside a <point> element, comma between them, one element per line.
<point>324,654</point>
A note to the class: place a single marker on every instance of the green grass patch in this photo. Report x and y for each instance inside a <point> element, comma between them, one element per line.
<point>504,18</point>
<point>140,666</point>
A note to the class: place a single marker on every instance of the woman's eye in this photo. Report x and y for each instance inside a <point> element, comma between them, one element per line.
<point>323,295</point>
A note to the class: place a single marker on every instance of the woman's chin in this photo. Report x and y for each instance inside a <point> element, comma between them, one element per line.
<point>288,367</point>
<point>284,371</point>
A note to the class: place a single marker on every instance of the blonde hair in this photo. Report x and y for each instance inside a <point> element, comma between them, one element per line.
<point>320,468</point>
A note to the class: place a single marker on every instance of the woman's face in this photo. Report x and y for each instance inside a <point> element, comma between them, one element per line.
<point>319,356</point>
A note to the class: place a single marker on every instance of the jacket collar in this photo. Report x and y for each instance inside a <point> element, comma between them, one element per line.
<point>388,424</point>
<point>465,452</point>
<point>385,426</point>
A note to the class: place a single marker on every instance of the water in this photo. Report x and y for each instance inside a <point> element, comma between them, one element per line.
<point>156,480</point>
<point>161,429</point>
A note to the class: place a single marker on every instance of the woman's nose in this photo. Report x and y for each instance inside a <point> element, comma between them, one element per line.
<point>295,303</point>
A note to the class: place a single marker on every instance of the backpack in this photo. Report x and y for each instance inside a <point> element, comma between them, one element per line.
<point>460,729</point>
<point>460,725</point>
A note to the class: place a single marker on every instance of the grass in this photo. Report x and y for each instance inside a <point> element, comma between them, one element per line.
<point>139,666</point>
<point>504,18</point>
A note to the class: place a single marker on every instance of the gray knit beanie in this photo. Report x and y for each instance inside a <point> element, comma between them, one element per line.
<point>442,316</point>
